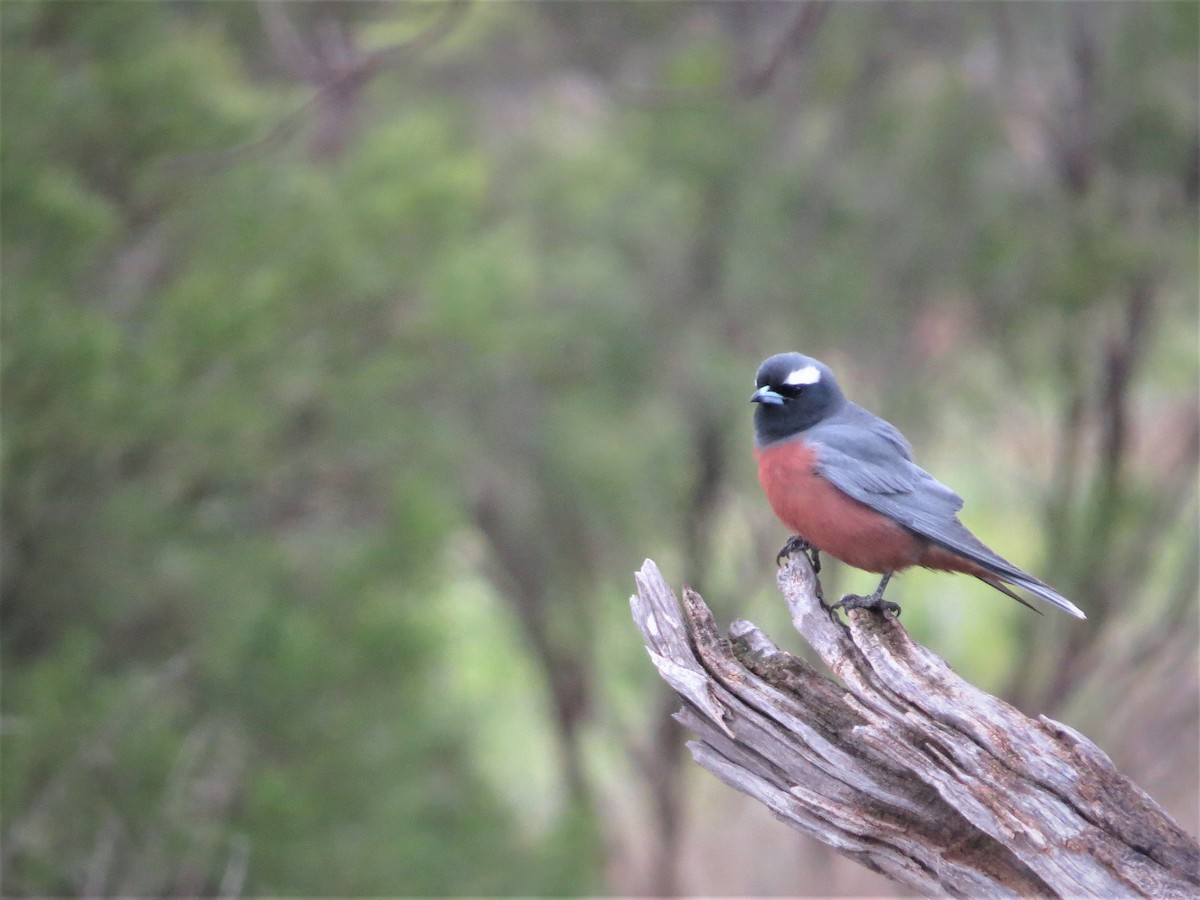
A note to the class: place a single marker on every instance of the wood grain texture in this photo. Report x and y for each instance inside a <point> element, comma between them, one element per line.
<point>900,764</point>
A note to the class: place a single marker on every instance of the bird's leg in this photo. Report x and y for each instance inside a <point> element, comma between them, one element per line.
<point>873,601</point>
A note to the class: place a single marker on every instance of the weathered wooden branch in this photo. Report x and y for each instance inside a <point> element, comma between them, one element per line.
<point>904,766</point>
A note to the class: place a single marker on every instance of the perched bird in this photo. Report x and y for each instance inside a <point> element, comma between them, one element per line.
<point>844,481</point>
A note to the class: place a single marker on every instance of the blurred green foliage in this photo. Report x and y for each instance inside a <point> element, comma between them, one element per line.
<point>337,414</point>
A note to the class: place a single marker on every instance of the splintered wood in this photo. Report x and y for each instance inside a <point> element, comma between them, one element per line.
<point>900,764</point>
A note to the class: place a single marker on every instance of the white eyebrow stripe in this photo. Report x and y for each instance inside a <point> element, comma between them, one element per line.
<point>807,375</point>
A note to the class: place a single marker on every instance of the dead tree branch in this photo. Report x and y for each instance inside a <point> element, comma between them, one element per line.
<point>903,766</point>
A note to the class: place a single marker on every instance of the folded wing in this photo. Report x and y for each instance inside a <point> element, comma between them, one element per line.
<point>868,459</point>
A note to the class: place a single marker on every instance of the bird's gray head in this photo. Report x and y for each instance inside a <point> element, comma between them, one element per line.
<point>793,392</point>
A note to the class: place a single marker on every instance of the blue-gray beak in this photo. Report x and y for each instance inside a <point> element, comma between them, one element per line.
<point>765,395</point>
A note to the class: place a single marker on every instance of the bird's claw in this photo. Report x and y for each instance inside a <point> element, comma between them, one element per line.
<point>871,601</point>
<point>796,544</point>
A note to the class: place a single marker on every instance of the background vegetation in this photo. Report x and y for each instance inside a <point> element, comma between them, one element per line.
<point>355,354</point>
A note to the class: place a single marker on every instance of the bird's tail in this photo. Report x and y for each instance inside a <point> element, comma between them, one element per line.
<point>1035,587</point>
<point>1045,592</point>
<point>996,569</point>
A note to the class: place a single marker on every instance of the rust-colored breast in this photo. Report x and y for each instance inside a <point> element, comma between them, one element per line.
<point>828,519</point>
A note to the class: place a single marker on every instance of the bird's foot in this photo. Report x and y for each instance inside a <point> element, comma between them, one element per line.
<point>796,544</point>
<point>856,601</point>
<point>874,600</point>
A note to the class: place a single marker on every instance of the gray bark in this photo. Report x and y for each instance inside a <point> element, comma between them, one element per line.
<point>902,765</point>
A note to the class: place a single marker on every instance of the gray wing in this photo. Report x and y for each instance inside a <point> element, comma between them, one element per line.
<point>867,458</point>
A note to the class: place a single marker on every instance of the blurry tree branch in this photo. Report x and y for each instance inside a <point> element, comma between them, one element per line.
<point>795,40</point>
<point>95,748</point>
<point>903,766</point>
<point>333,58</point>
<point>336,70</point>
<point>756,79</point>
<point>523,571</point>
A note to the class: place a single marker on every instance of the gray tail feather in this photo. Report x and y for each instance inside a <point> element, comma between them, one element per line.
<point>1003,588</point>
<point>1047,593</point>
<point>975,550</point>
